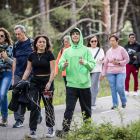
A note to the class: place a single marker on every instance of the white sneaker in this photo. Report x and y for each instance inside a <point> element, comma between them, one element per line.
<point>135,93</point>
<point>93,107</point>
<point>50,133</point>
<point>126,93</point>
<point>31,134</point>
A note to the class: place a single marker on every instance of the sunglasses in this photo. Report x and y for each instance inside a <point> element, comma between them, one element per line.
<point>132,37</point>
<point>94,41</point>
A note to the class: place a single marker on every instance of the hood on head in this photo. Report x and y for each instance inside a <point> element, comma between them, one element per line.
<point>80,43</point>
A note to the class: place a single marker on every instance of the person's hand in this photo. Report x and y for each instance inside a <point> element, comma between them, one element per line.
<point>12,82</point>
<point>47,87</point>
<point>0,55</point>
<point>4,55</point>
<point>66,64</point>
<point>102,77</point>
<point>135,57</point>
<point>102,59</point>
<point>55,76</point>
<point>81,61</point>
<point>116,62</point>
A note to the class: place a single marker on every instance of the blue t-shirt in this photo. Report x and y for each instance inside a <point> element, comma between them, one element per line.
<point>21,51</point>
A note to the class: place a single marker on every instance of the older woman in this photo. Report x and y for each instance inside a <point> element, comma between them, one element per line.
<point>115,65</point>
<point>6,61</point>
<point>43,63</point>
<point>66,44</point>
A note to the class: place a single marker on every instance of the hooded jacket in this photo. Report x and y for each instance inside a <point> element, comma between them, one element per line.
<point>132,50</point>
<point>77,75</point>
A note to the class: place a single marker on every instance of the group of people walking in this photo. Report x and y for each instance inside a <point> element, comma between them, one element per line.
<point>32,61</point>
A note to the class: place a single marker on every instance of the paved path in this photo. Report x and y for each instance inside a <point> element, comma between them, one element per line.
<point>103,110</point>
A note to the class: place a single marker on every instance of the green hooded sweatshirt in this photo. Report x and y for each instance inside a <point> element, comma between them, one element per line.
<point>77,75</point>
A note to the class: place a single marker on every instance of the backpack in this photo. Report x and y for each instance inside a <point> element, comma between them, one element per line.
<point>31,42</point>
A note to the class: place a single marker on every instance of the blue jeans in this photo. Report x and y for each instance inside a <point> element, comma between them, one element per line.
<point>117,84</point>
<point>5,82</point>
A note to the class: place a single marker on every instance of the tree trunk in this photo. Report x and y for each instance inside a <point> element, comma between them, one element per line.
<point>42,17</point>
<point>47,9</point>
<point>73,8</point>
<point>135,24</point>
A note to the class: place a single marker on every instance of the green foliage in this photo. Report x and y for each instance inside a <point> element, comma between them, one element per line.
<point>8,21</point>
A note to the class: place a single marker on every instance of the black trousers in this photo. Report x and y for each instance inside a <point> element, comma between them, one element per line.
<point>72,94</point>
<point>37,87</point>
<point>64,77</point>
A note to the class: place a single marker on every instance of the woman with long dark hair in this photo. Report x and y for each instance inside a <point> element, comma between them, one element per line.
<point>98,54</point>
<point>43,63</point>
<point>6,61</point>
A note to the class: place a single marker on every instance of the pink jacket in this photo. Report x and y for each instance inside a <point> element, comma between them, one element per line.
<point>119,54</point>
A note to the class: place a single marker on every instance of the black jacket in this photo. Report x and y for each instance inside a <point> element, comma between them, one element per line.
<point>20,96</point>
<point>137,61</point>
<point>132,50</point>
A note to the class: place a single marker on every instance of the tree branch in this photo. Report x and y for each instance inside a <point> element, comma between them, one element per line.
<point>82,20</point>
<point>32,17</point>
<point>99,33</point>
<point>82,6</point>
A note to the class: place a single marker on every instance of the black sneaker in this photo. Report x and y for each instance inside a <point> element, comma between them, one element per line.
<point>50,132</point>
<point>59,133</point>
<point>113,107</point>
<point>123,105</point>
<point>31,134</point>
<point>18,124</point>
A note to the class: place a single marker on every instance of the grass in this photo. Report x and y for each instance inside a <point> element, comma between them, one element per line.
<point>60,93</point>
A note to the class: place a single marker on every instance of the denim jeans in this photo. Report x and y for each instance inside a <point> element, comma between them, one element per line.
<point>117,84</point>
<point>5,82</point>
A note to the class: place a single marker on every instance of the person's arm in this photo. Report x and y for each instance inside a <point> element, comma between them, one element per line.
<point>14,68</point>
<point>52,74</point>
<point>90,63</point>
<point>57,61</point>
<point>63,62</point>
<point>125,57</point>
<point>101,57</point>
<point>27,71</point>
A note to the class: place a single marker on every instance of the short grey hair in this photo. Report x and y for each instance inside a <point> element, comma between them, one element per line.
<point>66,37</point>
<point>21,27</point>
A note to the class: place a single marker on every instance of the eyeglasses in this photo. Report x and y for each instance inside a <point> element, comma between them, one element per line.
<point>94,41</point>
<point>132,37</point>
<point>1,36</point>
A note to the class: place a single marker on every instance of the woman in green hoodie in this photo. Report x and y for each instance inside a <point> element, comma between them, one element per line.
<point>77,60</point>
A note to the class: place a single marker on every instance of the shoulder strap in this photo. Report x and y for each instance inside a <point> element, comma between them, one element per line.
<point>61,50</point>
<point>96,53</point>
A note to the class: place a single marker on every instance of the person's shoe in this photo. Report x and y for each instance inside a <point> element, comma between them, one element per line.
<point>93,107</point>
<point>126,93</point>
<point>59,133</point>
<point>123,105</point>
<point>31,134</point>
<point>50,132</point>
<point>113,107</point>
<point>18,124</point>
<point>4,122</point>
<point>135,93</point>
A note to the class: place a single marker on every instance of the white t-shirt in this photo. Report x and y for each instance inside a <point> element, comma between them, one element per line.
<point>99,62</point>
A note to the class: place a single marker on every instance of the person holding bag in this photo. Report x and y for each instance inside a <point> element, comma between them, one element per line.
<point>98,54</point>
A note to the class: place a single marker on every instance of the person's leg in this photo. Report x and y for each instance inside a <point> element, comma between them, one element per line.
<point>135,72</point>
<point>35,95</point>
<point>120,86</point>
<point>112,83</point>
<point>128,72</point>
<point>71,99</point>
<point>95,81</point>
<point>17,115</point>
<point>65,81</point>
<point>85,102</point>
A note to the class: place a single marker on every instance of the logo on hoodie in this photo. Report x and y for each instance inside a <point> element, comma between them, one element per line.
<point>131,51</point>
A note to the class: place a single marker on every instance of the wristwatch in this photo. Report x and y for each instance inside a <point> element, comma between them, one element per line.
<point>119,63</point>
<point>50,82</point>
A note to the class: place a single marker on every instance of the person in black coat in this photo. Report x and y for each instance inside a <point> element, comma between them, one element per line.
<point>133,48</point>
